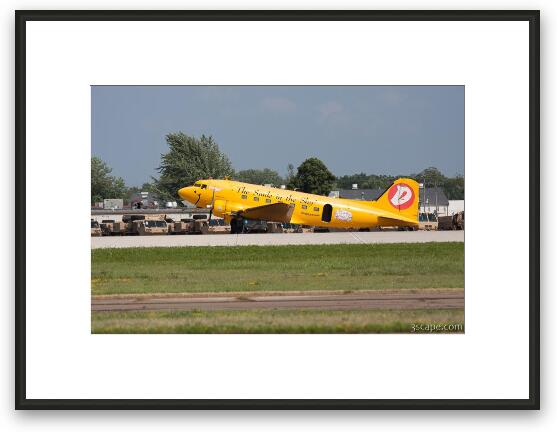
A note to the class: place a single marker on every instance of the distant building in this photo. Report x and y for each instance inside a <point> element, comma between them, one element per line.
<point>113,203</point>
<point>434,200</point>
<point>144,200</point>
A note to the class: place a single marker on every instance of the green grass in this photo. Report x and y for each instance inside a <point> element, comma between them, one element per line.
<point>347,267</point>
<point>275,321</point>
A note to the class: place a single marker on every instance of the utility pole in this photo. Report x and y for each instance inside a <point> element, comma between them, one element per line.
<point>436,201</point>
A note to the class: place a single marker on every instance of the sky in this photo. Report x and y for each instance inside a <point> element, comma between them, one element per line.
<point>352,129</point>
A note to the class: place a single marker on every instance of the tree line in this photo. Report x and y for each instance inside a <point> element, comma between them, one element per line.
<point>430,177</point>
<point>189,159</point>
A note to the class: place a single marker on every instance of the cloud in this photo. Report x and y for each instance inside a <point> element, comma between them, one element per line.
<point>279,104</point>
<point>334,113</point>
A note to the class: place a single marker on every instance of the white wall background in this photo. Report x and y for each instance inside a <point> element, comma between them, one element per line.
<point>457,205</point>
<point>245,421</point>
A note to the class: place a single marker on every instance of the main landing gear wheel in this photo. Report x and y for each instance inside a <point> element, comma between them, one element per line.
<point>236,226</point>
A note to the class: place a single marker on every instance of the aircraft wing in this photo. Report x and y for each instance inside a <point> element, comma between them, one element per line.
<point>278,212</point>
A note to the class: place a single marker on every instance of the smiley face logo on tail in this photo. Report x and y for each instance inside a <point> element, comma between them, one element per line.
<point>401,196</point>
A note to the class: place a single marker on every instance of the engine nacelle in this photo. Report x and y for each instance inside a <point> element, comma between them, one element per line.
<point>222,207</point>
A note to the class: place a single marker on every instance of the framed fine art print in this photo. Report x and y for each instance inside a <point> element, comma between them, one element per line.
<point>277,206</point>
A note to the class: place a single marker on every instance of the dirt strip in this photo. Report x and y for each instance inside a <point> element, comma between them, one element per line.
<point>265,293</point>
<point>351,301</point>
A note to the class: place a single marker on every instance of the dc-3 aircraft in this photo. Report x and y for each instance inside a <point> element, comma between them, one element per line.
<point>235,201</point>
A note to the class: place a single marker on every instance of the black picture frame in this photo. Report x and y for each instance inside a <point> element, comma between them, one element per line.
<point>531,16</point>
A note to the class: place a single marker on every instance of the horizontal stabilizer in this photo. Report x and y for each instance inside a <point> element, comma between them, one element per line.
<point>396,221</point>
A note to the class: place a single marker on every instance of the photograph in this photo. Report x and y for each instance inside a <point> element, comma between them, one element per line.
<point>277,209</point>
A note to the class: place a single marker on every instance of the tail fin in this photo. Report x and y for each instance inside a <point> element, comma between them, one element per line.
<point>401,198</point>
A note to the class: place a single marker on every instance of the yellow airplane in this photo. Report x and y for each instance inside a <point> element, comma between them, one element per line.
<point>235,201</point>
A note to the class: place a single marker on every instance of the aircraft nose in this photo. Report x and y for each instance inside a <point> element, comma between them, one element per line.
<point>187,194</point>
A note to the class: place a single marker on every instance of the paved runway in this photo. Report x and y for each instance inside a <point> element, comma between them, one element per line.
<point>278,239</point>
<point>438,300</point>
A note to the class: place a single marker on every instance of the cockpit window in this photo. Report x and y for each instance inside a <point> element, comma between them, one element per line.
<point>203,186</point>
<point>197,184</point>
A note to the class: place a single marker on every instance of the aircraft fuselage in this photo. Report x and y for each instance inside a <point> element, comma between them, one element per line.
<point>230,199</point>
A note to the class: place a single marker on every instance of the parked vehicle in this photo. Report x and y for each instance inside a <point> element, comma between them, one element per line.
<point>458,220</point>
<point>218,226</point>
<point>111,227</point>
<point>428,221</point>
<point>254,226</point>
<point>274,227</point>
<point>145,224</point>
<point>454,222</point>
<point>189,226</point>
<point>293,228</point>
<point>95,228</point>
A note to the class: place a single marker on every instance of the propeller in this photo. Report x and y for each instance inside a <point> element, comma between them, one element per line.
<point>211,209</point>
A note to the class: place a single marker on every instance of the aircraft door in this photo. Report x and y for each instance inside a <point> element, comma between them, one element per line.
<point>327,213</point>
